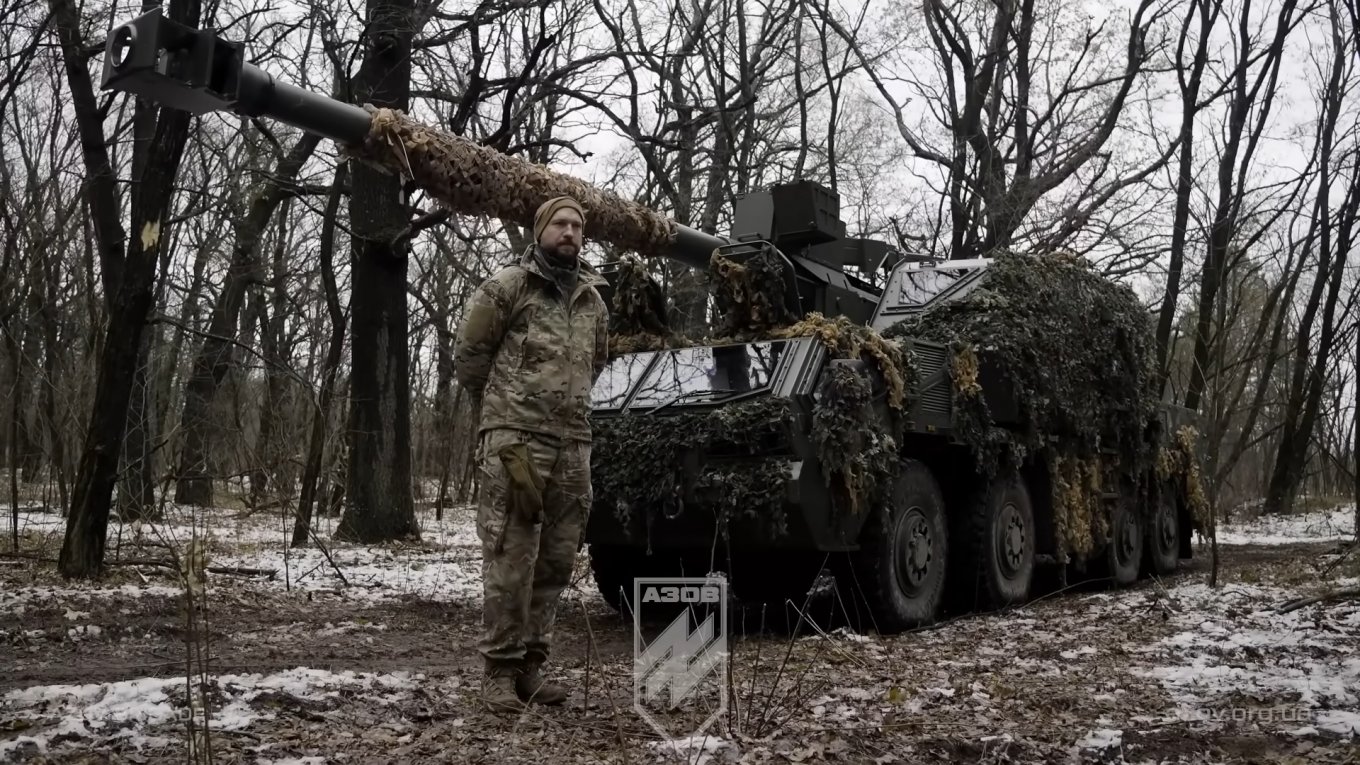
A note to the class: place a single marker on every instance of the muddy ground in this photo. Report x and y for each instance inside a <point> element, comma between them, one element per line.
<point>1166,671</point>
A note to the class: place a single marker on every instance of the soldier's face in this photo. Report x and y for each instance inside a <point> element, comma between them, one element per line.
<point>563,235</point>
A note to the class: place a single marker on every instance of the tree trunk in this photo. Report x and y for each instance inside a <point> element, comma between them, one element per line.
<point>311,475</point>
<point>275,415</point>
<point>1301,416</point>
<point>82,552</point>
<point>379,505</point>
<point>137,490</point>
<point>1332,243</point>
<point>214,358</point>
<point>1355,446</point>
<point>1184,185</point>
<point>1234,163</point>
<point>188,317</point>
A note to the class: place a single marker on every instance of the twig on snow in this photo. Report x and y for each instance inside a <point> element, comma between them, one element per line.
<point>1349,548</point>
<point>1294,605</point>
<point>327,553</point>
<point>173,566</point>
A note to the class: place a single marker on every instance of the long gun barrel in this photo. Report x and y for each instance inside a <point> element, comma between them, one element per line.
<point>198,71</point>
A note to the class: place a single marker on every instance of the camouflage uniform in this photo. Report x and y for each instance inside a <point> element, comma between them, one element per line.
<point>530,357</point>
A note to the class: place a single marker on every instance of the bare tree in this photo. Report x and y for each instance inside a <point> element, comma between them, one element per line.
<point>215,353</point>
<point>1012,117</point>
<point>1252,96</point>
<point>378,504</point>
<point>1200,19</point>
<point>1331,236</point>
<point>129,278</point>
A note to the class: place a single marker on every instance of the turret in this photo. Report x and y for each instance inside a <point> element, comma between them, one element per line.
<point>198,71</point>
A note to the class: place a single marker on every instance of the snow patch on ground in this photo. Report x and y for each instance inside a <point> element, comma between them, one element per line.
<point>130,709</point>
<point>1102,738</point>
<point>1229,658</point>
<point>1236,658</point>
<point>698,749</point>
<point>444,566</point>
<point>1335,525</point>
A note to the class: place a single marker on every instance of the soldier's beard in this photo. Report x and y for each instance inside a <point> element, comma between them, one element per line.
<point>565,252</point>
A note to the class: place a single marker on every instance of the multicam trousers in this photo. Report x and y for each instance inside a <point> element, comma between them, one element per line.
<point>534,500</point>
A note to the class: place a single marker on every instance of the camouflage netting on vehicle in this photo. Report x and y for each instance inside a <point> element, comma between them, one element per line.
<point>844,339</point>
<point>1179,464</point>
<point>477,180</point>
<point>857,447</point>
<point>857,450</point>
<point>637,320</point>
<point>1074,346</point>
<point>1080,523</point>
<point>642,464</point>
<point>750,296</point>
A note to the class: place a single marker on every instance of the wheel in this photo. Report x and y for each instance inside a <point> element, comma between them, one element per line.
<point>900,566</point>
<point>1124,551</point>
<point>772,577</point>
<point>1164,535</point>
<point>1003,543</point>
<point>614,568</point>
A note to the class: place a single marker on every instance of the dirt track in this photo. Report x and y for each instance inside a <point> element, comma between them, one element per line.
<point>1038,684</point>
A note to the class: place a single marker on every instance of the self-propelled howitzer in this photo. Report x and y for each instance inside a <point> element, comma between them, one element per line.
<point>769,448</point>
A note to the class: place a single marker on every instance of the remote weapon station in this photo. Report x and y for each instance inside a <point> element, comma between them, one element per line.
<point>902,434</point>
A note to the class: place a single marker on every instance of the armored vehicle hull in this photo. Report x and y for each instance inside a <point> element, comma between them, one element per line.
<point>709,458</point>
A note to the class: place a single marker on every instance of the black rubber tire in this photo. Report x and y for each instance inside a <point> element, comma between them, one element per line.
<point>614,568</point>
<point>1163,536</point>
<point>900,566</point>
<point>1003,543</point>
<point>775,576</point>
<point>1124,552</point>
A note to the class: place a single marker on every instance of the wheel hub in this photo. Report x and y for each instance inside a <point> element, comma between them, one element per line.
<point>1128,536</point>
<point>1010,540</point>
<point>915,550</point>
<point>1166,526</point>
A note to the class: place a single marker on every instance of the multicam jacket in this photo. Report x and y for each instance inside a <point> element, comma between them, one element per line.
<point>529,357</point>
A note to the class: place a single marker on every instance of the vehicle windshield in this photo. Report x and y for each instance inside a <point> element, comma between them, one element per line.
<point>618,380</point>
<point>688,375</point>
<point>915,287</point>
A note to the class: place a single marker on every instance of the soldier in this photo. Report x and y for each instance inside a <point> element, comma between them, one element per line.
<point>531,345</point>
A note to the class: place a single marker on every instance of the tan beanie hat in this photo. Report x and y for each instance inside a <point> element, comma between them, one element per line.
<point>548,208</point>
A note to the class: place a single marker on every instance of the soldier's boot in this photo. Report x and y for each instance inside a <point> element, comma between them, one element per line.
<point>499,688</point>
<point>533,688</point>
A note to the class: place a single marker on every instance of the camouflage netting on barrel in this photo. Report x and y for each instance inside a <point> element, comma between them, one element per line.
<point>472,179</point>
<point>1074,347</point>
<point>640,465</point>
